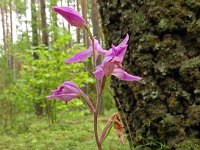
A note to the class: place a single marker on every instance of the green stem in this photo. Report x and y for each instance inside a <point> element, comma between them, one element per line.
<point>100,93</point>
<point>96,130</point>
<point>89,103</point>
<point>91,37</point>
<point>97,90</point>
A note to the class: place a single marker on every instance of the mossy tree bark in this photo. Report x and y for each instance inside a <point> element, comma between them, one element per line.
<point>164,49</point>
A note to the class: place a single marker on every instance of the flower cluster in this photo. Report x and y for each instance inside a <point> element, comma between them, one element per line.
<point>111,65</point>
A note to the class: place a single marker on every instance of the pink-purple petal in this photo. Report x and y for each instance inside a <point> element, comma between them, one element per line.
<point>123,75</point>
<point>65,91</point>
<point>81,56</point>
<point>98,47</point>
<point>71,15</point>
<point>72,87</point>
<point>108,68</point>
<point>66,97</point>
<point>67,87</point>
<point>119,53</point>
<point>124,42</point>
<point>99,73</point>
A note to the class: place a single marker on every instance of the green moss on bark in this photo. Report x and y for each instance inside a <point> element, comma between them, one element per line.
<point>164,49</point>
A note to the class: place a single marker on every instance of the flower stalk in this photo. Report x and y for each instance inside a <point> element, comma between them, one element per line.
<point>98,100</point>
<point>111,65</point>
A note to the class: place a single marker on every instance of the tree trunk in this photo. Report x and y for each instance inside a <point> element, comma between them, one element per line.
<point>3,27</point>
<point>8,39</point>
<point>11,24</point>
<point>69,28</point>
<point>27,32</point>
<point>78,34</point>
<point>7,26</point>
<point>164,108</point>
<point>63,24</point>
<point>11,40</point>
<point>54,21</point>
<point>95,20</point>
<point>84,13</point>
<point>34,24</point>
<point>45,39</point>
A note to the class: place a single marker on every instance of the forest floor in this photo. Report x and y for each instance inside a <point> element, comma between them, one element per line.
<point>71,133</point>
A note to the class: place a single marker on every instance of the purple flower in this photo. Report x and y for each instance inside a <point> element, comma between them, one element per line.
<point>68,91</point>
<point>83,55</point>
<point>71,15</point>
<point>116,53</point>
<point>112,63</point>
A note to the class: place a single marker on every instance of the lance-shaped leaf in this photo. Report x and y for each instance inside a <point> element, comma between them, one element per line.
<point>118,126</point>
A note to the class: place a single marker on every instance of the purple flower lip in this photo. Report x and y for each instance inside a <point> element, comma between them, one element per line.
<point>71,15</point>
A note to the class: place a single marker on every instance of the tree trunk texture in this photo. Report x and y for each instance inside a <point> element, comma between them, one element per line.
<point>8,38</point>
<point>54,20</point>
<point>13,60</point>
<point>7,25</point>
<point>3,27</point>
<point>35,43</point>
<point>34,24</point>
<point>69,27</point>
<point>95,20</point>
<point>164,49</point>
<point>78,32</point>
<point>84,13</point>
<point>11,24</point>
<point>45,38</point>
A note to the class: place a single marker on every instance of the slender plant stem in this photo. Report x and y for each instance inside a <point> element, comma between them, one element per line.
<point>94,55</point>
<point>92,38</point>
<point>97,90</point>
<point>88,102</point>
<point>96,130</point>
<point>100,93</point>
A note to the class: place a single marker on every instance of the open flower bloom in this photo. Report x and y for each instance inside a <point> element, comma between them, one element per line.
<point>71,15</point>
<point>83,55</point>
<point>112,63</point>
<point>68,91</point>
